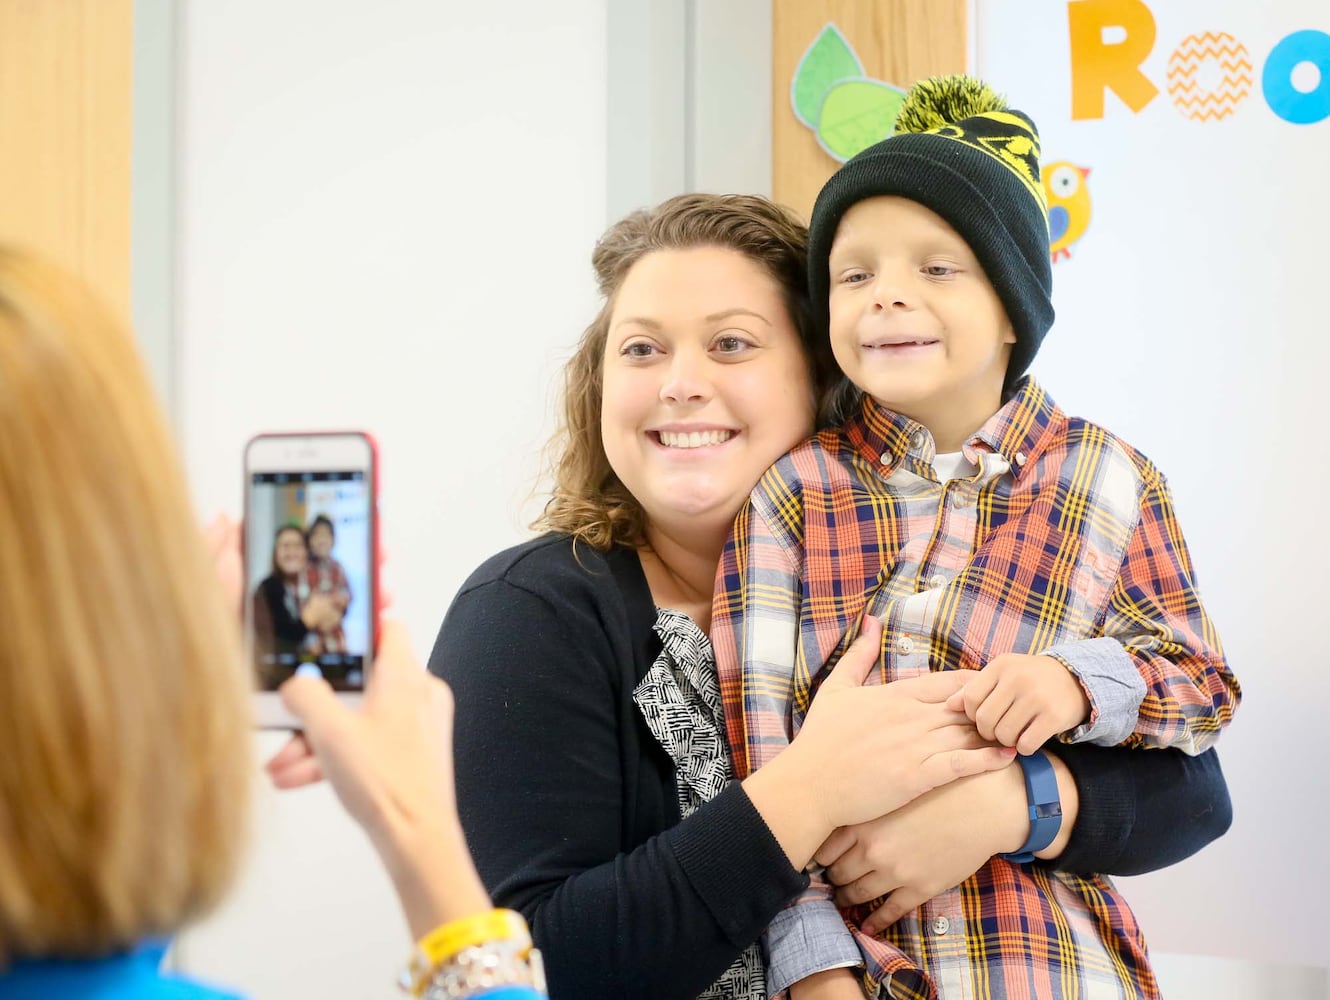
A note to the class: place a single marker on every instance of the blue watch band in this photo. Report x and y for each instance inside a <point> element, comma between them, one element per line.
<point>1041,791</point>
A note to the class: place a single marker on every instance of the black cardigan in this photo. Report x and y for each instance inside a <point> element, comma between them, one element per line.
<point>569,803</point>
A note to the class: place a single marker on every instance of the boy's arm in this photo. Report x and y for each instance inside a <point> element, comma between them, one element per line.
<point>1156,635</point>
<point>755,633</point>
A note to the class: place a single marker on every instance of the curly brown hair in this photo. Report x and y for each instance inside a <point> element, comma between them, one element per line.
<point>587,500</point>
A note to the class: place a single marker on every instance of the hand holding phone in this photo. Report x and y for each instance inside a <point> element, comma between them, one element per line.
<point>311,562</point>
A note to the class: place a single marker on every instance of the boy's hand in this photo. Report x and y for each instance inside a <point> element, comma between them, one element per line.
<point>1023,701</point>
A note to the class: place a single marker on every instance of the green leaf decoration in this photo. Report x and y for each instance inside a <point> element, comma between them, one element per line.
<point>856,114</point>
<point>825,63</point>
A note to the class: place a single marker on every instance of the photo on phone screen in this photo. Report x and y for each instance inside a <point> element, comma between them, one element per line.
<point>308,540</point>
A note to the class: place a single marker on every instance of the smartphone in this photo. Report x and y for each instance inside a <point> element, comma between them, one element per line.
<point>311,563</point>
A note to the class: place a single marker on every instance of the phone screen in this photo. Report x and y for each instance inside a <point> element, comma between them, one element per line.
<point>309,540</point>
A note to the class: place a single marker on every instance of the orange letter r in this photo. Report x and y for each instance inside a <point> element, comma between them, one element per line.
<point>1098,65</point>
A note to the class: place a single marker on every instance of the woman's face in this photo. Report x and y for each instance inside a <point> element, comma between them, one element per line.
<point>289,552</point>
<point>320,541</point>
<point>705,384</point>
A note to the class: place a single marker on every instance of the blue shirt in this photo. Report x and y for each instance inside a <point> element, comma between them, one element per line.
<point>135,974</point>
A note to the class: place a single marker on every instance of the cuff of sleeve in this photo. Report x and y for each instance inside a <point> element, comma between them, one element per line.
<point>1112,682</point>
<point>1107,815</point>
<point>807,938</point>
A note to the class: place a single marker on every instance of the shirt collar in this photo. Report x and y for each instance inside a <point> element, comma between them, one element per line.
<point>141,961</point>
<point>1017,432</point>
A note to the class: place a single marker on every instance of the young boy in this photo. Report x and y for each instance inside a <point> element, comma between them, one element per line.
<point>986,529</point>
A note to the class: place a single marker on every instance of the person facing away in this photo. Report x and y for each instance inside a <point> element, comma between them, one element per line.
<point>125,721</point>
<point>988,531</point>
<point>123,703</point>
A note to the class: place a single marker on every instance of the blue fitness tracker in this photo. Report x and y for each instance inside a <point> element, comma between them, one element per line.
<point>1041,790</point>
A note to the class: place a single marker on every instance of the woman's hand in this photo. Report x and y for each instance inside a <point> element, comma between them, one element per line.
<point>865,751</point>
<point>221,536</point>
<point>877,747</point>
<point>390,762</point>
<point>391,765</point>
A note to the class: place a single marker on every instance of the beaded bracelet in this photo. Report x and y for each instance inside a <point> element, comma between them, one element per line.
<point>474,953</point>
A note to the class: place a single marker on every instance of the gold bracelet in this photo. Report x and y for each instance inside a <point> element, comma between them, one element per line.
<point>441,946</point>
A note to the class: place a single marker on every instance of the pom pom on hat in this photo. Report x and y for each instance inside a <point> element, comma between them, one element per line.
<point>946,100</point>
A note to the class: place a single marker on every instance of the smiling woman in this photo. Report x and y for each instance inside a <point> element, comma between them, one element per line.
<point>704,380</point>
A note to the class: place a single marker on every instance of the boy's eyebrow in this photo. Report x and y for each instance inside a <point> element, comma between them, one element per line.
<point>843,245</point>
<point>655,326</point>
<point>853,246</point>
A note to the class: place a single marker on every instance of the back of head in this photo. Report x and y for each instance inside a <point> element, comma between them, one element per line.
<point>960,151</point>
<point>588,501</point>
<point>124,757</point>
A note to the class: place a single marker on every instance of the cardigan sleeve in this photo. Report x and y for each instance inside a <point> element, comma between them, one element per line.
<point>1141,810</point>
<point>542,784</point>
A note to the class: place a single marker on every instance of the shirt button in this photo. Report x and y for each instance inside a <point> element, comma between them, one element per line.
<point>1020,459</point>
<point>917,439</point>
<point>905,645</point>
<point>937,580</point>
<point>960,500</point>
<point>885,458</point>
<point>941,925</point>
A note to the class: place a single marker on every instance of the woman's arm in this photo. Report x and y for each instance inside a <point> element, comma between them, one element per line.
<point>1141,810</point>
<point>1124,812</point>
<point>391,765</point>
<point>550,792</point>
<point>547,797</point>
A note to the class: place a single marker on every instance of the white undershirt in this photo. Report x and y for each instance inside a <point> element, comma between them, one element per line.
<point>953,465</point>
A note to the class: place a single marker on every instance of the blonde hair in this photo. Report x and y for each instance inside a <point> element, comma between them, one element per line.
<point>124,744</point>
<point>587,500</point>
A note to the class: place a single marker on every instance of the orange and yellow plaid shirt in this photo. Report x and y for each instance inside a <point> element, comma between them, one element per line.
<point>1063,543</point>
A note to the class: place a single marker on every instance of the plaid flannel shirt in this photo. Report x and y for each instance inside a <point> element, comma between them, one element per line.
<point>327,576</point>
<point>1063,543</point>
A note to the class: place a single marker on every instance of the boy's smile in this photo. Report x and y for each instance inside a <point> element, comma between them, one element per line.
<point>915,322</point>
<point>898,344</point>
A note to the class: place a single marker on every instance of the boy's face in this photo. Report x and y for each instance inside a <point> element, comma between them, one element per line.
<point>320,541</point>
<point>914,320</point>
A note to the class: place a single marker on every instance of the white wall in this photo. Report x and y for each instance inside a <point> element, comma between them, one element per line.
<point>386,213</point>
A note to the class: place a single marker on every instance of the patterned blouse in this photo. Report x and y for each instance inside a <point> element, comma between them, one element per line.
<point>680,700</point>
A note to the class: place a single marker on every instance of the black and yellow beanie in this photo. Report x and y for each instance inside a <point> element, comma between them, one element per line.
<point>960,151</point>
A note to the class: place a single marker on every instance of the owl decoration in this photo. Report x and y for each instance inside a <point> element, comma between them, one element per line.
<point>1068,191</point>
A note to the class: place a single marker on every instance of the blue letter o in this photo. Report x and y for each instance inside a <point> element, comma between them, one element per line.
<point>1284,99</point>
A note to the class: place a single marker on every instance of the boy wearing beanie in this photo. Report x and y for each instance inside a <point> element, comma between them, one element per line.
<point>988,531</point>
